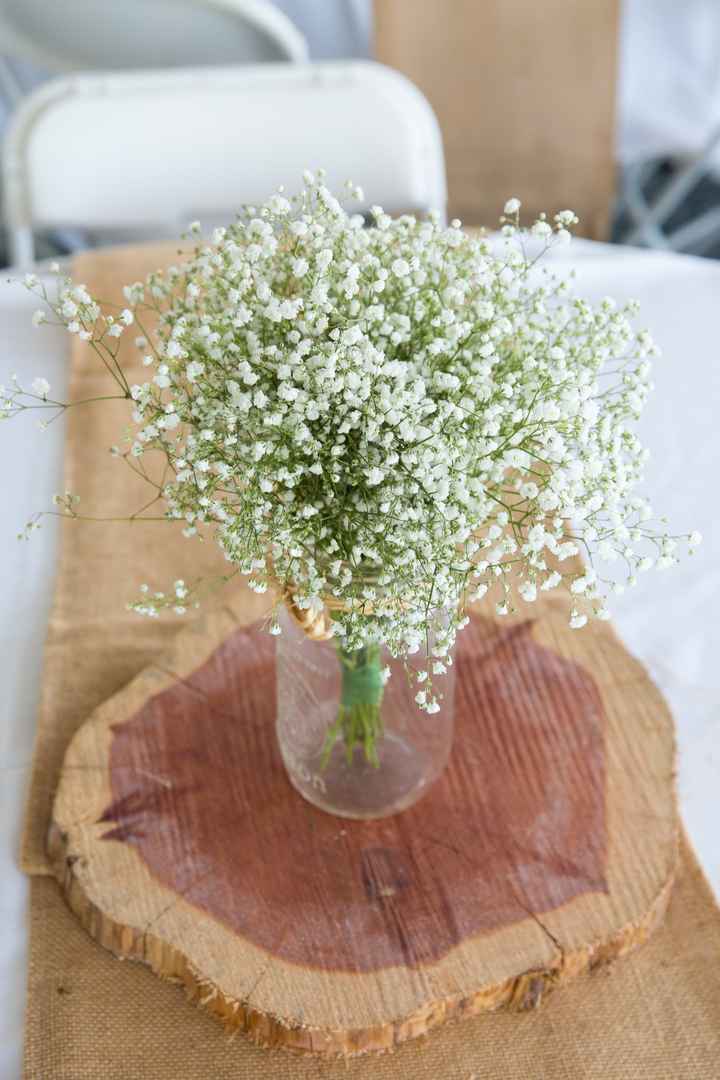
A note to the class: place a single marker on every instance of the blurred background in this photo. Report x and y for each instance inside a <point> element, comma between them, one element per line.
<point>609,107</point>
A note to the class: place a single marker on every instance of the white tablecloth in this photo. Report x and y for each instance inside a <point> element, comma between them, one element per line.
<point>670,621</point>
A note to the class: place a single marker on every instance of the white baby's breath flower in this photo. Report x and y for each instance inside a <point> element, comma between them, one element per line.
<point>541,229</point>
<point>528,591</point>
<point>402,415</point>
<point>279,205</point>
<point>40,386</point>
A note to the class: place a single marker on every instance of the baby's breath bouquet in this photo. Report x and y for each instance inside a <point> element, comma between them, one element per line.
<point>383,420</point>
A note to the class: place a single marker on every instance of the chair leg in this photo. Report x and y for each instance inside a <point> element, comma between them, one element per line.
<point>676,190</point>
<point>697,235</point>
<point>641,230</point>
<point>22,246</point>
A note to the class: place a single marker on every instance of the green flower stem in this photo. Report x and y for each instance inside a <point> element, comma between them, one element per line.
<point>359,720</point>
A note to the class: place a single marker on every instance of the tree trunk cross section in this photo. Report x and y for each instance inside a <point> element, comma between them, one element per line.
<point>547,847</point>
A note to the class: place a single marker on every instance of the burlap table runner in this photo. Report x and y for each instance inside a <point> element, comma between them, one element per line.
<point>525,97</point>
<point>655,1014</point>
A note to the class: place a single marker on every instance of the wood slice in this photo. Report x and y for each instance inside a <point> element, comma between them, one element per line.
<point>547,847</point>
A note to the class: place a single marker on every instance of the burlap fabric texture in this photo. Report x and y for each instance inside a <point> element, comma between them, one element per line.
<point>525,97</point>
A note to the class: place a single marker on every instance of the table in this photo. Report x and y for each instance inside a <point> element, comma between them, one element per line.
<point>680,299</point>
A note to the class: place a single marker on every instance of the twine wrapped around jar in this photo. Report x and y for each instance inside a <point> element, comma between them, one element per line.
<point>317,625</point>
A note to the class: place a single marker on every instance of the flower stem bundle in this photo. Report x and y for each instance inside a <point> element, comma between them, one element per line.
<point>359,720</point>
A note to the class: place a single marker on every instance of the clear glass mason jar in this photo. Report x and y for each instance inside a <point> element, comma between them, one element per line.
<point>315,682</point>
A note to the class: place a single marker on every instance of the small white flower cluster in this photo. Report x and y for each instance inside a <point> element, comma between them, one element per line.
<point>153,602</point>
<point>15,398</point>
<point>399,417</point>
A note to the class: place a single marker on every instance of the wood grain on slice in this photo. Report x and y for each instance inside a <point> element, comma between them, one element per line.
<point>547,847</point>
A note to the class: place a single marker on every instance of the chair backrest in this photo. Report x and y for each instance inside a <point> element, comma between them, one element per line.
<point>81,35</point>
<point>140,150</point>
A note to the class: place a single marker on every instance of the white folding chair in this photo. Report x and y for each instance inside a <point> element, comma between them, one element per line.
<point>81,35</point>
<point>151,149</point>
